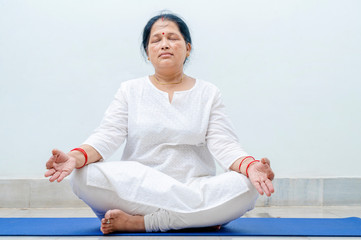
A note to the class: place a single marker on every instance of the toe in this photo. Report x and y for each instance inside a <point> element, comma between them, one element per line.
<point>105,230</point>
<point>104,225</point>
<point>108,214</point>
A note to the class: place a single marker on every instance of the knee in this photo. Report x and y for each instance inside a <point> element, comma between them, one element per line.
<point>78,180</point>
<point>252,196</point>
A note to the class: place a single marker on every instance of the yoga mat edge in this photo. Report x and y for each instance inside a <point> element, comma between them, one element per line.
<point>337,227</point>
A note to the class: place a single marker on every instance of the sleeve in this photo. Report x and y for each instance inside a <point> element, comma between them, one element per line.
<point>221,140</point>
<point>113,129</point>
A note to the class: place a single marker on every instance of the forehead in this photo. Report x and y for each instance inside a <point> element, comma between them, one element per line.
<point>165,25</point>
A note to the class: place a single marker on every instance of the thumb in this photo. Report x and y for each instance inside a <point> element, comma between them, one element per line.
<point>52,159</point>
<point>55,152</point>
<point>266,161</point>
<point>59,156</point>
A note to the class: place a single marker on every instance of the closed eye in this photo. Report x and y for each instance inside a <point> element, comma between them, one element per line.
<point>173,36</point>
<point>155,40</point>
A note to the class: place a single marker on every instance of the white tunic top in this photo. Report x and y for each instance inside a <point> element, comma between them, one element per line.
<point>174,142</point>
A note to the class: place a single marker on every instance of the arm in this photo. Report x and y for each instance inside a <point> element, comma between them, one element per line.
<point>224,146</point>
<point>113,129</point>
<point>100,145</point>
<point>221,140</point>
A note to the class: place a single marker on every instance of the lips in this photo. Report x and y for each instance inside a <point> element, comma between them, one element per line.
<point>165,54</point>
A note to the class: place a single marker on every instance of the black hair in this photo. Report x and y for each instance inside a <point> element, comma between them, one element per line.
<point>183,28</point>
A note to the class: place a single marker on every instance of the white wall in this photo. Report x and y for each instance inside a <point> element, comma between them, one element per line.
<point>289,72</point>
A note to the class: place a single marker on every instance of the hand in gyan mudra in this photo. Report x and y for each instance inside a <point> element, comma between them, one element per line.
<point>261,176</point>
<point>59,166</point>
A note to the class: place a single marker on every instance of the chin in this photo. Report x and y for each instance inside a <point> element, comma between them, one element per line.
<point>166,63</point>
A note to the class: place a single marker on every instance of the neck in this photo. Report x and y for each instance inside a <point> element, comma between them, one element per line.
<point>169,77</point>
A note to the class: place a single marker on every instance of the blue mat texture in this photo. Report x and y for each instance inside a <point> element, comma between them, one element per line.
<point>347,227</point>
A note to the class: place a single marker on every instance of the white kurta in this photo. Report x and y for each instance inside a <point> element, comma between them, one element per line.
<point>168,160</point>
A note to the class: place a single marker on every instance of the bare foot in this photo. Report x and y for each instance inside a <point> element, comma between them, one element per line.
<point>217,228</point>
<point>119,221</point>
<point>212,228</point>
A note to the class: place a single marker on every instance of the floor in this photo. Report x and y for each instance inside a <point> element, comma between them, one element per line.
<point>297,212</point>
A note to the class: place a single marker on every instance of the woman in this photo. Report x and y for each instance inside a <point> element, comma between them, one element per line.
<point>174,125</point>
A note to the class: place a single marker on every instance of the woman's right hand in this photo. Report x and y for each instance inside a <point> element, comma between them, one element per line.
<point>59,165</point>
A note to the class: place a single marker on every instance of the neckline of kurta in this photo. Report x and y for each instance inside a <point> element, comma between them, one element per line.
<point>165,93</point>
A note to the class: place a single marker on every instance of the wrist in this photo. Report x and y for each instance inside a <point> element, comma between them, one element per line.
<point>242,167</point>
<point>249,166</point>
<point>80,157</point>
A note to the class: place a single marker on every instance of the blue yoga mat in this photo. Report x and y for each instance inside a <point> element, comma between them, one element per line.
<point>347,227</point>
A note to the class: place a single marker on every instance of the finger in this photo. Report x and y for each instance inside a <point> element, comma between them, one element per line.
<point>265,188</point>
<point>258,187</point>
<point>266,161</point>
<point>268,171</point>
<point>55,176</point>
<point>50,162</point>
<point>55,152</point>
<point>271,176</point>
<point>62,176</point>
<point>270,186</point>
<point>49,172</point>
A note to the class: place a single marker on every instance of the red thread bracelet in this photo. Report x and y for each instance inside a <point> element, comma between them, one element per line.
<point>84,153</point>
<point>239,168</point>
<point>249,164</point>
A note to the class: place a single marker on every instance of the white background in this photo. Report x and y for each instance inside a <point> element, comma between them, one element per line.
<point>289,72</point>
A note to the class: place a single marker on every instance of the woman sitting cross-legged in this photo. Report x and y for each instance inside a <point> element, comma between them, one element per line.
<point>174,126</point>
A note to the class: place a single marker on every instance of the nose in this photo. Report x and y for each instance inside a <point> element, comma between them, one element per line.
<point>165,43</point>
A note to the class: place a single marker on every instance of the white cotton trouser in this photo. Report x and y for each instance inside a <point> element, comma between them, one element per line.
<point>155,219</point>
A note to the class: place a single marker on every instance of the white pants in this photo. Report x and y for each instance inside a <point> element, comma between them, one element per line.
<point>101,200</point>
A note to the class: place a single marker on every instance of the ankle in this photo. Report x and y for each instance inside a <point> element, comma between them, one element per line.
<point>136,223</point>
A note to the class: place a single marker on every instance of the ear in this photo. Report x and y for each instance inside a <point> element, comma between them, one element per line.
<point>189,48</point>
<point>146,52</point>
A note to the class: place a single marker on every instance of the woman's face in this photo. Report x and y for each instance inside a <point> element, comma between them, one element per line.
<point>167,47</point>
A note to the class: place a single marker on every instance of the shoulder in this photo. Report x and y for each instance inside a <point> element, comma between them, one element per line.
<point>208,88</point>
<point>129,87</point>
<point>130,84</point>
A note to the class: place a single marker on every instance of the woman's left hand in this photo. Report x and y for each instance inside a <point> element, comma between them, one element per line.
<point>261,175</point>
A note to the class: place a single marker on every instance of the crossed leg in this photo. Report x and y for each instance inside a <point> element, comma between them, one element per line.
<point>119,215</point>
